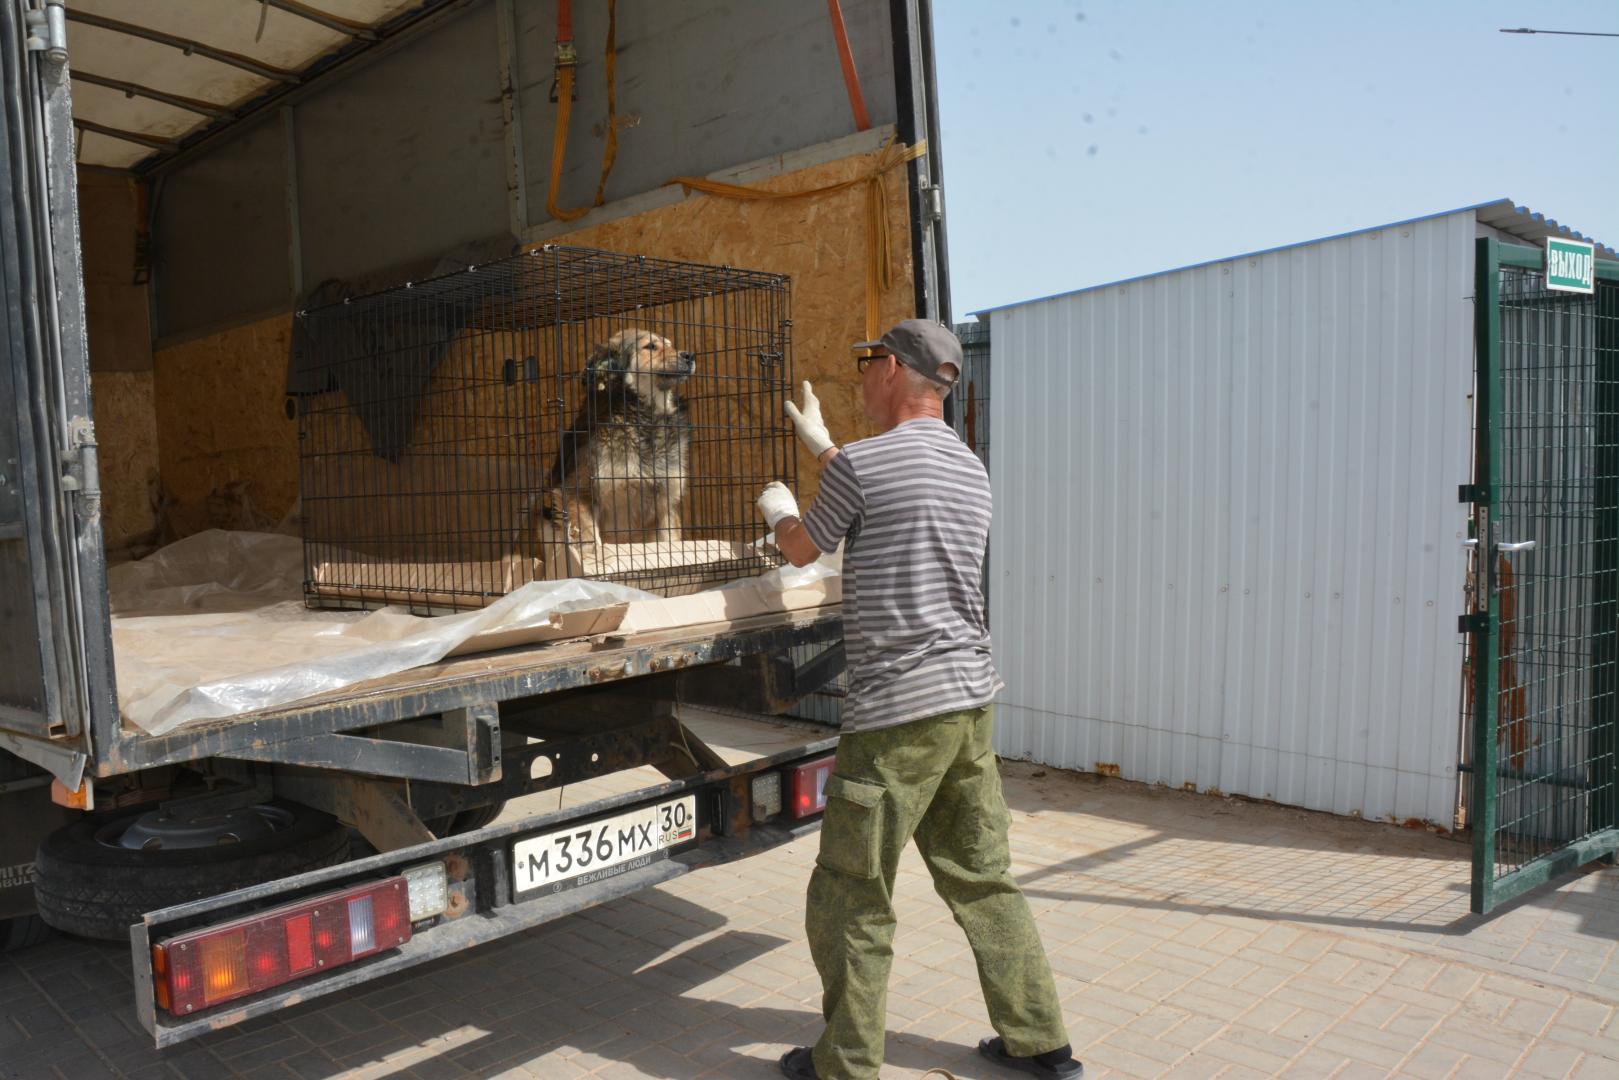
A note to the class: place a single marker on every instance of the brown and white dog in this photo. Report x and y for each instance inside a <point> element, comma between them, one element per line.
<point>622,472</point>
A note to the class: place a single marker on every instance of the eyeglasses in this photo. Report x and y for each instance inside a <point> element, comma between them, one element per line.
<point>863,362</point>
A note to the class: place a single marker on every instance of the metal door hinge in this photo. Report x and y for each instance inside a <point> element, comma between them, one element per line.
<point>1476,623</point>
<point>73,471</point>
<point>47,31</point>
<point>81,470</point>
<point>932,200</point>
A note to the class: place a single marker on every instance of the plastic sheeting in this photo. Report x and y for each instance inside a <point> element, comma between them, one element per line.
<point>215,626</point>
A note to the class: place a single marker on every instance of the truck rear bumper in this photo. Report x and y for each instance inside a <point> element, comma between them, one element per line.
<point>484,904</point>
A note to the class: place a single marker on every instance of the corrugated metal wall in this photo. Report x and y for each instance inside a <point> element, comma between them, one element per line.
<point>1226,550</point>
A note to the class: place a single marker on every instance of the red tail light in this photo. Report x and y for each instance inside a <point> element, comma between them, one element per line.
<point>206,967</point>
<point>809,786</point>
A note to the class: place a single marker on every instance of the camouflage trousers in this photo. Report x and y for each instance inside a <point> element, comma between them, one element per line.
<point>933,780</point>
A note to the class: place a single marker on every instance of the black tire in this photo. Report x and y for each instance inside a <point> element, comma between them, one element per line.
<point>85,887</point>
<point>477,817</point>
<point>465,821</point>
<point>21,932</point>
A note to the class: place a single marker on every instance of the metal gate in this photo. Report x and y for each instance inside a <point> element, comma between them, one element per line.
<point>971,397</point>
<point>1542,709</point>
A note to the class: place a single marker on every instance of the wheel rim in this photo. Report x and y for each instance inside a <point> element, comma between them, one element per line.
<point>162,830</point>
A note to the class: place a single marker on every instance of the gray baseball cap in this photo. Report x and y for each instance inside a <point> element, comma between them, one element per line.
<point>921,345</point>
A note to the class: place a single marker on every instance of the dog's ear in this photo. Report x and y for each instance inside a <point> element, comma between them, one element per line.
<point>611,357</point>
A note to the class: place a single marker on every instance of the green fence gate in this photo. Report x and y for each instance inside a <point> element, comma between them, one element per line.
<point>1542,700</point>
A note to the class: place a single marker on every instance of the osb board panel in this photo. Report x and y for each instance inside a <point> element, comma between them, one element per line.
<point>230,456</point>
<point>228,453</point>
<point>820,243</point>
<point>126,431</point>
<point>115,308</point>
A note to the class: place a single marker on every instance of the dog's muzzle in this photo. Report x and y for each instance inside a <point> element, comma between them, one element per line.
<point>687,364</point>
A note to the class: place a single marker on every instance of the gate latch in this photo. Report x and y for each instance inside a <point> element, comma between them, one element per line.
<point>1473,493</point>
<point>1476,622</point>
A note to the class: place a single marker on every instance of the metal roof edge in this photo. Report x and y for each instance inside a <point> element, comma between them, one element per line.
<point>1530,225</point>
<point>1545,224</point>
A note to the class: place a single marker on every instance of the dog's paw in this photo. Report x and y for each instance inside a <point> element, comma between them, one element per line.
<point>554,506</point>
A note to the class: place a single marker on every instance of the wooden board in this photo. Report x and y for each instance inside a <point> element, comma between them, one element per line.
<point>126,433</point>
<point>228,454</point>
<point>116,313</point>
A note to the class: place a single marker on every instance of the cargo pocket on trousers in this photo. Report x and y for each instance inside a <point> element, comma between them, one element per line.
<point>851,829</point>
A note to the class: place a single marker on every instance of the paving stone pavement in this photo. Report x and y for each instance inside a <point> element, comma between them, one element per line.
<point>1191,937</point>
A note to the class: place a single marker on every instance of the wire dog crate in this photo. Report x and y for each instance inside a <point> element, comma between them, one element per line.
<point>562,413</point>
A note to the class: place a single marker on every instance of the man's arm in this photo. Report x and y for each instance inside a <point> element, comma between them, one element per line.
<point>793,541</point>
<point>781,511</point>
<point>793,538</point>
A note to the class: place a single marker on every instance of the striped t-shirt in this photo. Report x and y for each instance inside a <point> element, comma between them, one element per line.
<point>914,507</point>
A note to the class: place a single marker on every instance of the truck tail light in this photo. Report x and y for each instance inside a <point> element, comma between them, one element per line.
<point>215,964</point>
<point>809,786</point>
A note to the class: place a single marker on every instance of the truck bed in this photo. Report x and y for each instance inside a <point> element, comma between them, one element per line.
<point>476,681</point>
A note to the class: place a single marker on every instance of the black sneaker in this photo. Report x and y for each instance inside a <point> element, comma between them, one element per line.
<point>1058,1064</point>
<point>798,1064</point>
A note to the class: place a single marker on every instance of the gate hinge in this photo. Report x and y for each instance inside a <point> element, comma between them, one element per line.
<point>1476,622</point>
<point>47,31</point>
<point>1473,493</point>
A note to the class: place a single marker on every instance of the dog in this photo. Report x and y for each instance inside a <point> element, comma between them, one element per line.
<point>621,473</point>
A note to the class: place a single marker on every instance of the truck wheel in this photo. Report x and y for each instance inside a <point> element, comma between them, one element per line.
<point>100,874</point>
<point>21,932</point>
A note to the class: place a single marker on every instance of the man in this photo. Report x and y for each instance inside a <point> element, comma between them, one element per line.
<point>912,507</point>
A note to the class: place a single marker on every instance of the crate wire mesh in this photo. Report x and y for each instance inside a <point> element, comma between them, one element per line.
<point>1555,648</point>
<point>562,413</point>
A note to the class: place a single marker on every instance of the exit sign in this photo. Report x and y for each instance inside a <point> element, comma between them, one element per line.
<point>1570,266</point>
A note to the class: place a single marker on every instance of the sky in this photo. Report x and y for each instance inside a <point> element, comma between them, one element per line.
<point>1085,141</point>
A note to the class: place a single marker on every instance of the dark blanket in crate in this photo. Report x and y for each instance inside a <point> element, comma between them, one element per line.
<point>385,393</point>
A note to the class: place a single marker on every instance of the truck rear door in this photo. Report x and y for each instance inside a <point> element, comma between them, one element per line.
<point>52,647</point>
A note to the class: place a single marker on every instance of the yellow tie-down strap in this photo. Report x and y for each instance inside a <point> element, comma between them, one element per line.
<point>879,264</point>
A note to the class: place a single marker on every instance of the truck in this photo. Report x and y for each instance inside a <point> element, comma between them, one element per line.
<point>179,179</point>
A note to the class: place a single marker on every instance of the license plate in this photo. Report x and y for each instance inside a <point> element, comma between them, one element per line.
<point>602,849</point>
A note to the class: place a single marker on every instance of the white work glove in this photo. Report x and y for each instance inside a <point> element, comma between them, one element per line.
<point>811,428</point>
<point>776,502</point>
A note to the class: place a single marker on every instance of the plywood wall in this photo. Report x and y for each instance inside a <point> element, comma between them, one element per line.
<point>115,300</point>
<point>229,455</point>
<point>121,380</point>
<point>126,434</point>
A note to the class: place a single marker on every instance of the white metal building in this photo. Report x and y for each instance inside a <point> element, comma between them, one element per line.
<point>1227,545</point>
